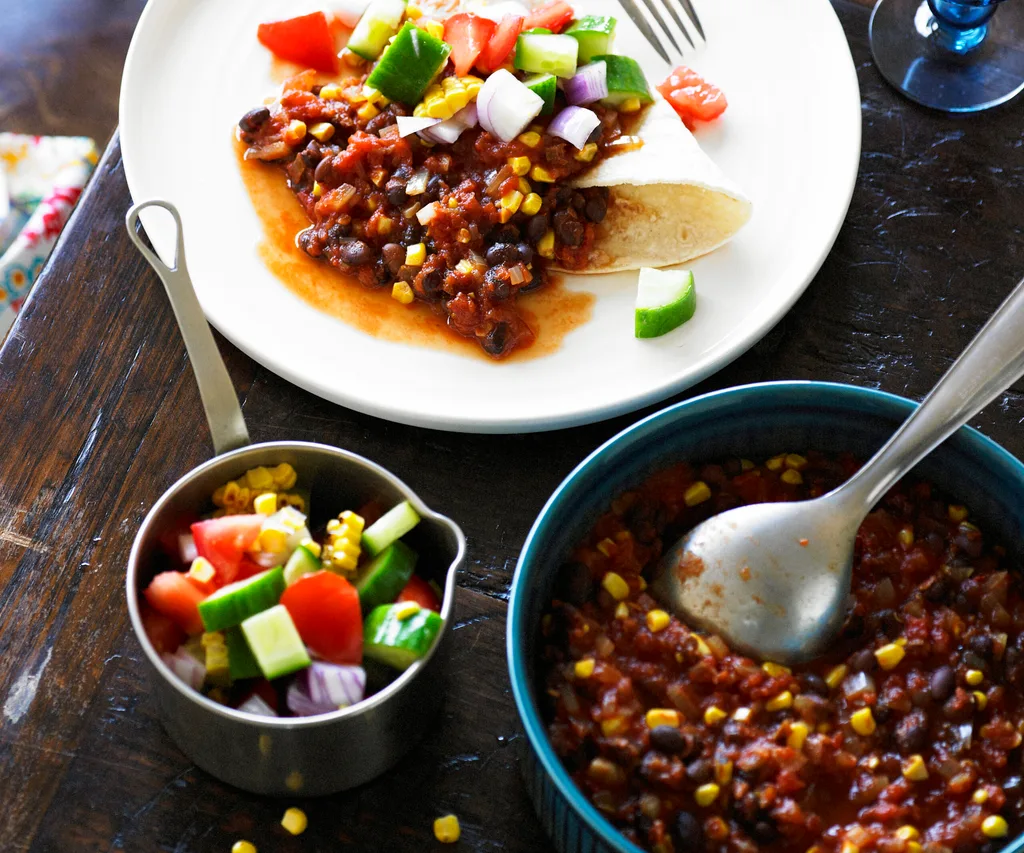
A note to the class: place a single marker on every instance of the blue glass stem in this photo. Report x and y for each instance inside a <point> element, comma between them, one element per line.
<point>961,27</point>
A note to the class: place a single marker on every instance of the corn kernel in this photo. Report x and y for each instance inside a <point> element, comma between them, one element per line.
<point>519,165</point>
<point>792,477</point>
<point>273,540</point>
<point>662,717</point>
<point>456,99</point>
<point>795,461</point>
<point>511,201</point>
<point>723,772</point>
<point>613,726</point>
<point>524,187</point>
<point>980,699</point>
<point>742,715</point>
<point>584,668</point>
<point>714,715</point>
<point>587,153</point>
<point>218,670</point>
<point>265,504</point>
<point>657,620</point>
<point>413,13</point>
<point>243,847</point>
<point>914,769</point>
<point>616,586</point>
<point>367,111</point>
<point>331,92</point>
<point>259,478</point>
<point>473,85</point>
<point>420,110</point>
<point>402,292</point>
<point>863,722</point>
<point>901,642</point>
<point>775,463</point>
<point>994,827</point>
<point>542,175</point>
<point>546,245</point>
<point>446,829</point>
<point>284,476</point>
<point>697,493</point>
<point>797,735</point>
<point>416,254</point>
<point>849,847</point>
<point>405,610</point>
<point>957,512</point>
<point>814,848</point>
<point>530,139</point>
<point>202,570</point>
<point>435,28</point>
<point>622,610</point>
<point>775,669</point>
<point>780,703</point>
<point>908,833</point>
<point>352,60</point>
<point>979,797</point>
<point>974,677</point>
<point>906,536</point>
<point>439,108</point>
<point>630,105</point>
<point>318,189</point>
<point>836,675</point>
<point>295,132</point>
<point>312,546</point>
<point>466,266</point>
<point>746,465</point>
<point>703,649</point>
<point>295,821</point>
<point>889,655</point>
<point>705,795</point>
<point>531,204</point>
<point>322,131</point>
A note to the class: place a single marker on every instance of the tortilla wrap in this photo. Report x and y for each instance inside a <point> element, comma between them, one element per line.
<point>669,203</point>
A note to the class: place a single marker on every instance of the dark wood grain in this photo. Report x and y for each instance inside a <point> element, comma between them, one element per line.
<point>99,413</point>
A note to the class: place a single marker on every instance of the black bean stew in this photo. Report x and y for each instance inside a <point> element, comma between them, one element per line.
<point>906,738</point>
<point>464,228</point>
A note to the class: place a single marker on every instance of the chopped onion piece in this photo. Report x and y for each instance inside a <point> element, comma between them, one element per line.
<point>257,705</point>
<point>468,115</point>
<point>505,106</point>
<point>427,213</point>
<point>408,125</point>
<point>335,685</point>
<point>502,175</point>
<point>588,84</point>
<point>301,703</point>
<point>186,667</point>
<point>448,132</point>
<point>348,11</point>
<point>187,548</point>
<point>859,682</point>
<point>574,125</point>
<point>417,184</point>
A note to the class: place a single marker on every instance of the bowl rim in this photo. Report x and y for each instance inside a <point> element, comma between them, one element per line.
<point>313,721</point>
<point>978,444</point>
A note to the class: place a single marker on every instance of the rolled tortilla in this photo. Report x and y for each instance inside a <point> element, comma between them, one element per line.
<point>669,202</point>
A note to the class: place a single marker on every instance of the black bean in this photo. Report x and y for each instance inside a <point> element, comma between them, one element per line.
<point>578,202</point>
<point>974,661</point>
<point>912,732</point>
<point>700,771</point>
<point>396,192</point>
<point>498,279</point>
<point>596,209</point>
<point>431,282</point>
<point>507,233</point>
<point>943,683</point>
<point>502,253</point>
<point>525,253</point>
<point>381,272</point>
<point>435,185</point>
<point>764,831</point>
<point>595,134</point>
<point>981,644</point>
<point>814,684</point>
<point>253,120</point>
<point>938,590</point>
<point>324,170</point>
<point>408,274</point>
<point>496,340</point>
<point>354,253</point>
<point>689,832</point>
<point>666,738</point>
<point>568,229</point>
<point>576,585</point>
<point>394,257</point>
<point>339,231</point>
<point>562,196</point>
<point>536,228</point>
<point>863,661</point>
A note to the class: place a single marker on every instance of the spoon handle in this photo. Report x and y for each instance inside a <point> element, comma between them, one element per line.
<point>992,362</point>
<point>220,402</point>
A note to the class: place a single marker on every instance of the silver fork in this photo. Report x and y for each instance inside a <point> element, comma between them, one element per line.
<point>656,10</point>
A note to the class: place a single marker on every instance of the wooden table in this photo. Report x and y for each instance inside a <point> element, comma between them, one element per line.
<point>100,413</point>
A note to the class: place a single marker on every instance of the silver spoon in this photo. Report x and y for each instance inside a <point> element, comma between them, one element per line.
<point>773,579</point>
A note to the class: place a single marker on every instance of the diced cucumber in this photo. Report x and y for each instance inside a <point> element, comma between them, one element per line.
<point>399,642</point>
<point>625,80</point>
<point>536,31</point>
<point>594,33</point>
<point>665,299</point>
<point>301,562</point>
<point>408,64</point>
<point>241,663</point>
<point>547,54</point>
<point>544,85</point>
<point>380,21</point>
<point>391,526</point>
<point>236,602</point>
<point>275,642</point>
<point>386,576</point>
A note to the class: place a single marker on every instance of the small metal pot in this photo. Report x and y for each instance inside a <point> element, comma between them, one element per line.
<point>295,755</point>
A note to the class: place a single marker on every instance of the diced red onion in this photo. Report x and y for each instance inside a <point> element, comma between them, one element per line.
<point>427,213</point>
<point>574,125</point>
<point>408,125</point>
<point>468,115</point>
<point>859,682</point>
<point>588,84</point>
<point>256,704</point>
<point>417,184</point>
<point>505,106</point>
<point>448,132</point>
<point>335,685</point>
<point>497,11</point>
<point>348,11</point>
<point>186,667</point>
<point>301,704</point>
<point>187,548</point>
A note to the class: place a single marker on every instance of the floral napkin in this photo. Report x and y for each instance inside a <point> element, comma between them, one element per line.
<point>41,178</point>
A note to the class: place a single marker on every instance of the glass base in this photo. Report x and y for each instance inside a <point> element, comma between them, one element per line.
<point>958,71</point>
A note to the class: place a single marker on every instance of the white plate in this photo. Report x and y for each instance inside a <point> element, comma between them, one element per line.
<point>790,138</point>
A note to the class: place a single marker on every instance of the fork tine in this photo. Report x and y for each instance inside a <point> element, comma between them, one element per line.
<point>640,20</point>
<point>692,13</point>
<point>679,23</point>
<point>661,23</point>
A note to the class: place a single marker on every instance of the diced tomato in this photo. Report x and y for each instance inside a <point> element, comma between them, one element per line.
<point>171,594</point>
<point>693,97</point>
<point>422,593</point>
<point>554,16</point>
<point>468,35</point>
<point>265,690</point>
<point>224,541</point>
<point>325,609</point>
<point>247,568</point>
<point>501,44</point>
<point>169,539</point>
<point>164,633</point>
<point>306,40</point>
<point>370,511</point>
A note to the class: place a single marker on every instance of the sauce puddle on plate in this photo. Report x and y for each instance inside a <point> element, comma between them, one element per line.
<point>552,312</point>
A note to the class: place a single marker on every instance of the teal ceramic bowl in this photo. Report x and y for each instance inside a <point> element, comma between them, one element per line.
<point>754,421</point>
